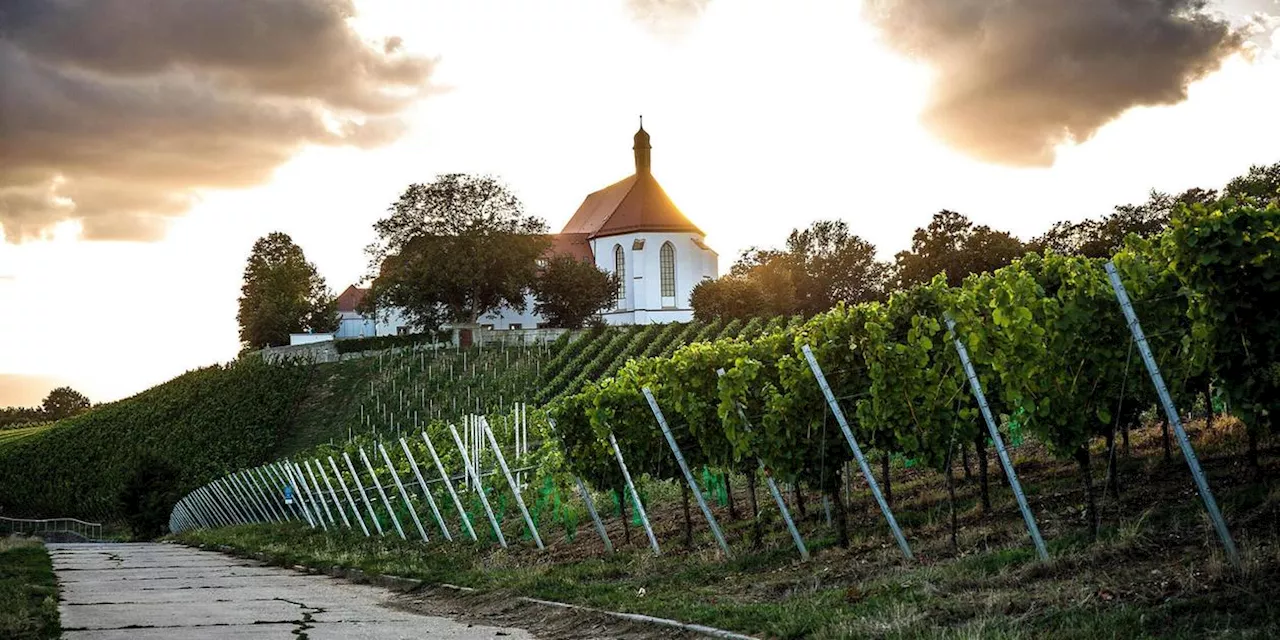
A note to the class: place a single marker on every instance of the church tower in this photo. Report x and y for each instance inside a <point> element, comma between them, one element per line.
<point>641,149</point>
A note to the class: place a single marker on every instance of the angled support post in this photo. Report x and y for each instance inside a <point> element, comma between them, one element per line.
<point>247,488</point>
<point>688,476</point>
<point>515,488</point>
<point>355,508</point>
<point>268,488</point>
<point>475,475</point>
<point>591,505</point>
<point>773,488</point>
<point>299,496</point>
<point>857,451</point>
<point>264,489</point>
<point>373,477</point>
<point>404,495</point>
<point>626,475</point>
<point>311,497</point>
<point>448,484</point>
<point>337,504</point>
<point>285,482</point>
<point>1171,412</point>
<point>994,433</point>
<point>242,498</point>
<point>426,491</point>
<point>364,496</point>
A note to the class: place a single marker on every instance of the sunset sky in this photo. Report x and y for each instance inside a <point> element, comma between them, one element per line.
<point>144,145</point>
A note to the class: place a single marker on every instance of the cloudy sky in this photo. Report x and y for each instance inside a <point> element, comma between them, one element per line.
<point>145,144</point>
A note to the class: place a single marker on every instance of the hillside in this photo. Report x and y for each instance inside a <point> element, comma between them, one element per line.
<point>211,420</point>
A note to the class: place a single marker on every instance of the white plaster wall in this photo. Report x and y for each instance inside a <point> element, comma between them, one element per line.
<point>504,318</point>
<point>644,274</point>
<point>309,338</point>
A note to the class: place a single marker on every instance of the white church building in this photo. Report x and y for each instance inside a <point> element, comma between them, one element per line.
<point>631,228</point>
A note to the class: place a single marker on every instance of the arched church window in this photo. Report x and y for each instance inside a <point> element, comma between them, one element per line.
<point>620,268</point>
<point>667,262</point>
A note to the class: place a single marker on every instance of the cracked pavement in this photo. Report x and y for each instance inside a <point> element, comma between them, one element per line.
<point>144,591</point>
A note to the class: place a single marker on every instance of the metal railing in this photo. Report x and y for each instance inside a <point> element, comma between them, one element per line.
<point>89,531</point>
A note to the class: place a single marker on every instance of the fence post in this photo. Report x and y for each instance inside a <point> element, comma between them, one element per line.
<point>626,475</point>
<point>237,516</point>
<point>591,505</point>
<point>475,473</point>
<point>515,489</point>
<point>404,495</point>
<point>255,492</point>
<point>448,484</point>
<point>377,484</point>
<point>426,491</point>
<point>857,451</point>
<point>693,485</point>
<point>355,508</point>
<point>299,498</point>
<point>265,488</point>
<point>314,489</point>
<point>285,481</point>
<point>773,488</point>
<point>214,512</point>
<point>337,504</point>
<point>992,431</point>
<point>355,477</point>
<point>1171,412</point>
<point>313,498</point>
<point>252,495</point>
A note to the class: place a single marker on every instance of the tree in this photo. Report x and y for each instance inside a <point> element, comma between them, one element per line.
<point>821,266</point>
<point>282,294</point>
<point>148,496</point>
<point>951,244</point>
<point>570,291</point>
<point>63,402</point>
<point>454,250</point>
<point>1105,237</point>
<point>1261,184</point>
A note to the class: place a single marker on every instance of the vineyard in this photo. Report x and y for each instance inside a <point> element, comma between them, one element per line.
<point>1052,358</point>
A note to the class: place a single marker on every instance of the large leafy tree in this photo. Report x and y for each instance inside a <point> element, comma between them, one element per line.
<point>1104,237</point>
<point>953,245</point>
<point>282,294</point>
<point>63,402</point>
<point>820,266</point>
<point>570,291</point>
<point>454,250</point>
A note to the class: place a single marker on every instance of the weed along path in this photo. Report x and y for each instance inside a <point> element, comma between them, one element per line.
<point>145,591</point>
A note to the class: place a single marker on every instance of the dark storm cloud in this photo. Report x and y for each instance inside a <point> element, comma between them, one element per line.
<point>1016,77</point>
<point>666,17</point>
<point>115,112</point>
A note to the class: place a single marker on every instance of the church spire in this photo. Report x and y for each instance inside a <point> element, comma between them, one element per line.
<point>641,148</point>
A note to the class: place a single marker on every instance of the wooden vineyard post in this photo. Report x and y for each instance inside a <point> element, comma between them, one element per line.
<point>404,495</point>
<point>688,476</point>
<point>591,505</point>
<point>857,451</point>
<point>426,491</point>
<point>773,489</point>
<point>1171,412</point>
<point>976,386</point>
<point>475,474</point>
<point>626,475</point>
<point>448,484</point>
<point>364,496</point>
<point>355,508</point>
<point>373,477</point>
<point>515,488</point>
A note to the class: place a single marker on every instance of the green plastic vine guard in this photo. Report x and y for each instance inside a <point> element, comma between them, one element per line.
<point>714,487</point>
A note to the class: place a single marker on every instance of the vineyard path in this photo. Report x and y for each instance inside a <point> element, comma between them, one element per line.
<point>143,591</point>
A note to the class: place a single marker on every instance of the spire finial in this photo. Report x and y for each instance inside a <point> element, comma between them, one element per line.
<point>642,121</point>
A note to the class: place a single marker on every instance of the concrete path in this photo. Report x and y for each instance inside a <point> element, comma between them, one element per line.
<point>144,591</point>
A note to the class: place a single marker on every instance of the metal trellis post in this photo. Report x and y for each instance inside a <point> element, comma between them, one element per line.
<point>688,476</point>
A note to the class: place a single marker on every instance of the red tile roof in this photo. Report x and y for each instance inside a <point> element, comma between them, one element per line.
<point>637,203</point>
<point>351,298</point>
<point>576,245</point>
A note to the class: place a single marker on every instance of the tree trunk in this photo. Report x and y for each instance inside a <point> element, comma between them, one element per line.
<point>757,528</point>
<point>842,518</point>
<point>1124,434</point>
<point>728,493</point>
<point>622,509</point>
<point>799,498</point>
<point>1113,470</point>
<point>951,501</point>
<point>1090,504</point>
<point>1168,452</point>
<point>980,450</point>
<point>688,522</point>
<point>964,460</point>
<point>888,482</point>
